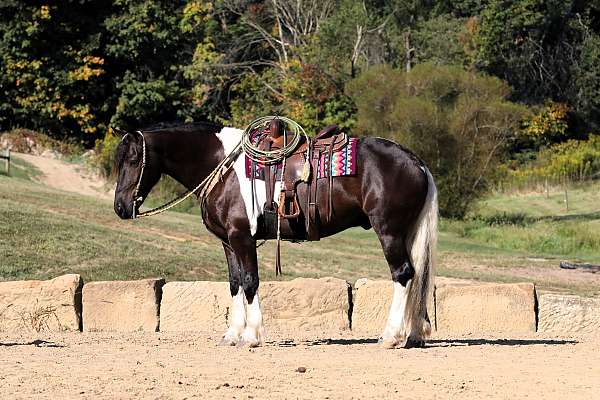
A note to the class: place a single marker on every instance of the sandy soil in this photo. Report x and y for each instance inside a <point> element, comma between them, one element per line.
<point>163,366</point>
<point>68,177</point>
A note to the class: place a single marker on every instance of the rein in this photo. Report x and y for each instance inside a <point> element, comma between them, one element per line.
<point>204,187</point>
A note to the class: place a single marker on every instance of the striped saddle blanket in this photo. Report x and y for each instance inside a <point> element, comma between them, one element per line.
<point>342,163</point>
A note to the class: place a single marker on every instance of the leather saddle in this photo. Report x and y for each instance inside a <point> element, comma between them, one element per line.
<point>298,168</point>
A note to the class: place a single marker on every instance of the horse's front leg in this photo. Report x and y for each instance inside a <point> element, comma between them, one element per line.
<point>237,313</point>
<point>244,247</point>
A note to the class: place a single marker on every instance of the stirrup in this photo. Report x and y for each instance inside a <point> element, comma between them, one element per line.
<point>289,204</point>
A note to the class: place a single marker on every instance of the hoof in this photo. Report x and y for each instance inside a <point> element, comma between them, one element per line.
<point>249,339</point>
<point>413,343</point>
<point>248,343</point>
<point>229,341</point>
<point>390,342</point>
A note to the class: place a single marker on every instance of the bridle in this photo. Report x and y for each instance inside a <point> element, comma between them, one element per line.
<point>137,199</point>
<point>205,187</point>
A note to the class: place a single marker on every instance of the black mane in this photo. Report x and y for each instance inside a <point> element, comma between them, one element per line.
<point>176,127</point>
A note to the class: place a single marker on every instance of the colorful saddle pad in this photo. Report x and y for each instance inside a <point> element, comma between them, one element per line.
<point>342,163</point>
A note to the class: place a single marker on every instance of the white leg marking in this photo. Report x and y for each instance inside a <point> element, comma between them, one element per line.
<point>230,137</point>
<point>238,320</point>
<point>393,334</point>
<point>254,333</point>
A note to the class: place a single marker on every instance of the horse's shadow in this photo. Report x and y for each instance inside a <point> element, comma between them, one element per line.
<point>497,342</point>
<point>36,343</point>
<point>430,343</point>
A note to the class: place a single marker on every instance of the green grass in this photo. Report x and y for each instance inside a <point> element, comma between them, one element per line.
<point>538,224</point>
<point>46,232</point>
<point>19,169</point>
<point>584,199</point>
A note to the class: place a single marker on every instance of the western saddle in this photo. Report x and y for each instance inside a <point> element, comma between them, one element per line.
<point>298,168</point>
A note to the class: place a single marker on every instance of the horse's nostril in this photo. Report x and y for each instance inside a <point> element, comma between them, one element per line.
<point>119,209</point>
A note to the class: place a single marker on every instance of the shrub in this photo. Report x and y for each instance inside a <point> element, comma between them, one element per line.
<point>570,161</point>
<point>459,122</point>
<point>103,159</point>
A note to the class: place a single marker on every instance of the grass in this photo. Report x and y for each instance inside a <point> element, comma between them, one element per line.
<point>539,224</point>
<point>46,232</point>
<point>20,169</point>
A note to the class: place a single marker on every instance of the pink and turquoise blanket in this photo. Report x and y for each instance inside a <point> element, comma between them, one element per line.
<point>343,163</point>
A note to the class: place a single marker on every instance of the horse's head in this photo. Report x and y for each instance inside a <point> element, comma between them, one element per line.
<point>138,170</point>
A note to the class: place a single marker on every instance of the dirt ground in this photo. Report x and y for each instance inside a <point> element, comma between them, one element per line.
<point>68,177</point>
<point>168,366</point>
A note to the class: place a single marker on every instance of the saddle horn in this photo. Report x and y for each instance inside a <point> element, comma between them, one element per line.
<point>276,128</point>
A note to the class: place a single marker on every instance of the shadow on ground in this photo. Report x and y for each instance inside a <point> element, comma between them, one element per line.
<point>36,343</point>
<point>430,343</point>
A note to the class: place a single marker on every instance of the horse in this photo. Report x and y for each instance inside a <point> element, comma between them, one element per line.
<point>392,192</point>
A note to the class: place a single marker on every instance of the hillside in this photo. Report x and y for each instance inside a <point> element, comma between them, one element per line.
<point>47,232</point>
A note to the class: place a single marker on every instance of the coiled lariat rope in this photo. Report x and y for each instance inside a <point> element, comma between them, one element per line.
<point>274,156</point>
<point>246,145</point>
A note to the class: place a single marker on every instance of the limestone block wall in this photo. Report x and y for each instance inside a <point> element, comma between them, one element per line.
<point>41,305</point>
<point>293,308</point>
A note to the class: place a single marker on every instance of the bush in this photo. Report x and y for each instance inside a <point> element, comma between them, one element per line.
<point>459,122</point>
<point>570,161</point>
<point>103,159</point>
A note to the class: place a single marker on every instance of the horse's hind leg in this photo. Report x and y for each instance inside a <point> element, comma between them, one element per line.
<point>402,270</point>
<point>237,313</point>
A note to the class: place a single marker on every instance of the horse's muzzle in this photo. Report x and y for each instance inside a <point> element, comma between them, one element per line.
<point>122,211</point>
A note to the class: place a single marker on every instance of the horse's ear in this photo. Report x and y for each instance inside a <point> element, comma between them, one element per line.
<point>119,131</point>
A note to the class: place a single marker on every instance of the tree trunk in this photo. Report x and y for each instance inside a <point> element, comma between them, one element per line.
<point>409,51</point>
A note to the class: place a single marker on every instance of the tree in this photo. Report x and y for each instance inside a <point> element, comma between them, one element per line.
<point>544,50</point>
<point>74,67</point>
<point>459,122</point>
<point>51,66</point>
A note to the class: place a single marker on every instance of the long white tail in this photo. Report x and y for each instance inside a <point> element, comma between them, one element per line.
<point>422,243</point>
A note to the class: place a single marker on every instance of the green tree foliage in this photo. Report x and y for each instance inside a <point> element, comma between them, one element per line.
<point>51,66</point>
<point>544,50</point>
<point>459,122</point>
<point>70,68</point>
<point>148,43</point>
<point>74,68</point>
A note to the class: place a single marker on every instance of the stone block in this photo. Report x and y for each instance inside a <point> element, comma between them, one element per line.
<point>488,308</point>
<point>305,305</point>
<point>122,306</point>
<point>194,306</point>
<point>371,306</point>
<point>41,305</point>
<point>563,314</point>
<point>288,307</point>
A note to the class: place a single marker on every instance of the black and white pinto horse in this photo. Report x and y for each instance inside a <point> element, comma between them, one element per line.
<point>393,192</point>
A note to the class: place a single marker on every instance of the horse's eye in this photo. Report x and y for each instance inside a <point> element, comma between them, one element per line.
<point>134,160</point>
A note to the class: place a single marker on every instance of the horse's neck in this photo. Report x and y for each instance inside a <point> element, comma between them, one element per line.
<point>190,157</point>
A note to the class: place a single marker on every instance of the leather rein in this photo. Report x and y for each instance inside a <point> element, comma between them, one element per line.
<point>204,187</point>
